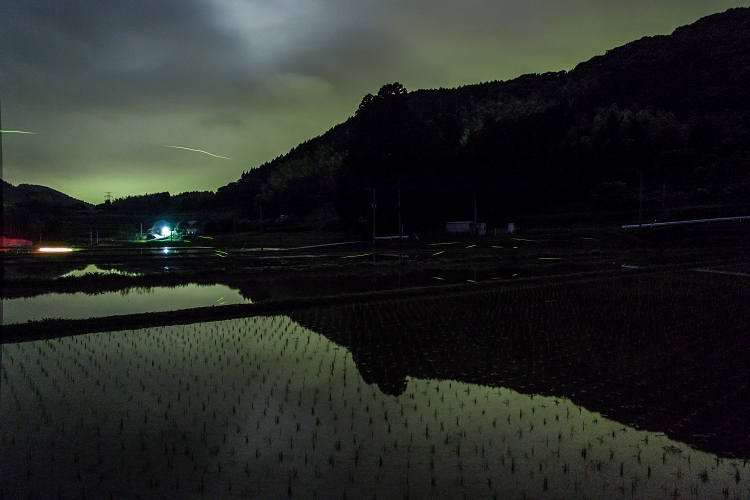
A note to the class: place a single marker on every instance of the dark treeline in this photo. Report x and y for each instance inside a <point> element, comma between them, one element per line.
<point>159,203</point>
<point>31,211</point>
<point>36,214</point>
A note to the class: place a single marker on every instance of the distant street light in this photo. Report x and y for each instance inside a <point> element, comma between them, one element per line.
<point>374,206</point>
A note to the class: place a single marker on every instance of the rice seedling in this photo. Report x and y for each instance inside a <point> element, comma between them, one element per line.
<point>229,429</point>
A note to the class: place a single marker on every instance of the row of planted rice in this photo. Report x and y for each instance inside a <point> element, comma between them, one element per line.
<point>664,351</point>
<point>265,408</point>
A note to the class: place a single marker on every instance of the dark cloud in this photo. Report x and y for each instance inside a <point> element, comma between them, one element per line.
<point>106,83</point>
<point>228,119</point>
<point>101,53</point>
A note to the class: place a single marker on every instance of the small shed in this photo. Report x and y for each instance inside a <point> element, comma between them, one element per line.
<point>501,230</point>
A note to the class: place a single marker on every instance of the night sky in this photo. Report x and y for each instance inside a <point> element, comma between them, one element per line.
<point>107,85</point>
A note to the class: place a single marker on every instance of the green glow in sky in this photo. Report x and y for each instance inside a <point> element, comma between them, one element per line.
<point>253,79</point>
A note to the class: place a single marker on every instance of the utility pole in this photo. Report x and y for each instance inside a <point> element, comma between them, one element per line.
<point>1,170</point>
<point>640,201</point>
<point>374,206</point>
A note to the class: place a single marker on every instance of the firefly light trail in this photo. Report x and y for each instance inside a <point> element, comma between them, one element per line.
<point>197,151</point>
<point>16,132</point>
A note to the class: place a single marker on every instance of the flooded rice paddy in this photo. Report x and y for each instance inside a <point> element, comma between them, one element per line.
<point>265,408</point>
<point>627,386</point>
<point>129,301</point>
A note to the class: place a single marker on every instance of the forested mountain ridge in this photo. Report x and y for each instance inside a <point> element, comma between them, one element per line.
<point>14,194</point>
<point>674,107</point>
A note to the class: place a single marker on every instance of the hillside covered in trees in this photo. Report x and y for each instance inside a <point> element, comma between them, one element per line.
<point>674,109</point>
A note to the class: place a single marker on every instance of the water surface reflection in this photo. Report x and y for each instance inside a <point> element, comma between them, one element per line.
<point>128,301</point>
<point>664,351</point>
<point>94,269</point>
<point>265,408</point>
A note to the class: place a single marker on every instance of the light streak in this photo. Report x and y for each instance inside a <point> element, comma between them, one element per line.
<point>16,132</point>
<point>197,151</point>
<point>358,255</point>
<point>54,249</point>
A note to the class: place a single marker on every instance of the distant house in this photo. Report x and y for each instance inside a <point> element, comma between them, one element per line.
<point>462,227</point>
<point>193,228</point>
<point>466,228</point>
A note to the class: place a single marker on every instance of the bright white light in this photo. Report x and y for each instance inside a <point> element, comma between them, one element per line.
<point>165,231</point>
<point>165,250</point>
<point>54,249</point>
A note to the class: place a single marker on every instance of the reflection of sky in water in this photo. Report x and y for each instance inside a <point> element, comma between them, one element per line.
<point>259,407</point>
<point>93,269</point>
<point>131,301</point>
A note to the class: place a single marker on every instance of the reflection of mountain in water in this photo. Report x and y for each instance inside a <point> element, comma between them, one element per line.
<point>666,352</point>
<point>283,405</point>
